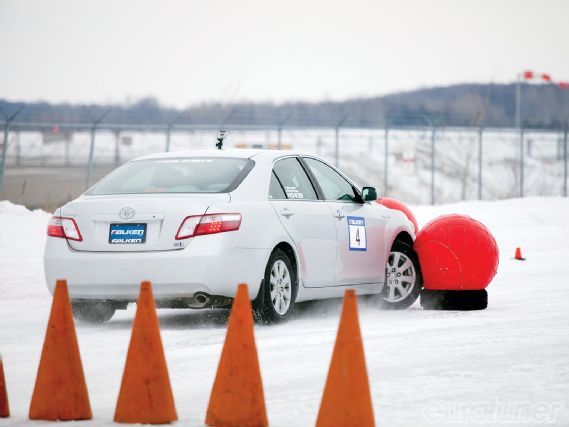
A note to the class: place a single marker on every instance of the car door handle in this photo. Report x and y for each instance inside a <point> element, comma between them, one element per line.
<point>339,214</point>
<point>287,212</point>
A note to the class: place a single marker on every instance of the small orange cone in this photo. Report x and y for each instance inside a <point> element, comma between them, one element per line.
<point>4,407</point>
<point>347,400</point>
<point>237,397</point>
<point>60,392</point>
<point>145,396</point>
<point>518,255</point>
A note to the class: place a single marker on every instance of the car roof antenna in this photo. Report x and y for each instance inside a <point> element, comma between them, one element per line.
<point>220,137</point>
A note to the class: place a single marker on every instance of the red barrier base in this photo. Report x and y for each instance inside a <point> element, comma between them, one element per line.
<point>454,300</point>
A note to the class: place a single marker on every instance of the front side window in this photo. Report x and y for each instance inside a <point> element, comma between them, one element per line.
<point>174,175</point>
<point>333,185</point>
<point>294,180</point>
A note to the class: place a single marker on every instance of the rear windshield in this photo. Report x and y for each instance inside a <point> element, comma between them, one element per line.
<point>176,175</point>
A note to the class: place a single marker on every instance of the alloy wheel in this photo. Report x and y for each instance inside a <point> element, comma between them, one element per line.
<point>400,277</point>
<point>281,287</point>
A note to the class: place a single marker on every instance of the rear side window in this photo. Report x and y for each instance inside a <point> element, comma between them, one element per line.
<point>275,189</point>
<point>175,175</point>
<point>333,185</point>
<point>294,180</point>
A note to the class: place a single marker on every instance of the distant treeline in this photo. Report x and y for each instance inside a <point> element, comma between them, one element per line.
<point>543,106</point>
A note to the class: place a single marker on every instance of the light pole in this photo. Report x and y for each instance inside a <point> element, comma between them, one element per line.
<point>518,117</point>
<point>546,78</point>
<point>519,125</point>
<point>520,78</point>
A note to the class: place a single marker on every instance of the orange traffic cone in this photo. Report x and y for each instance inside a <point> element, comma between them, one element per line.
<point>518,255</point>
<point>60,392</point>
<point>145,396</point>
<point>346,400</point>
<point>4,407</point>
<point>237,397</point>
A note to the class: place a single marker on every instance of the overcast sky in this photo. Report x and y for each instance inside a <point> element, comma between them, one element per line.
<point>185,52</point>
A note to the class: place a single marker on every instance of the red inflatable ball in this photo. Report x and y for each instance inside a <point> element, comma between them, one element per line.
<point>456,252</point>
<point>395,204</point>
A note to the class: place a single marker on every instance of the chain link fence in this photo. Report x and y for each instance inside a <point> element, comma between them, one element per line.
<point>419,165</point>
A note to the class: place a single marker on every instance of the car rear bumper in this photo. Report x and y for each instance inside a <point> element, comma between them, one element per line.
<point>208,267</point>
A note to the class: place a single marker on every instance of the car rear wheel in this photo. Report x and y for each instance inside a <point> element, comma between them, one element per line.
<point>93,311</point>
<point>403,279</point>
<point>277,295</point>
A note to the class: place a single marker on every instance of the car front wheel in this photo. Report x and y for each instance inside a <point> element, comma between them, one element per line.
<point>403,279</point>
<point>277,295</point>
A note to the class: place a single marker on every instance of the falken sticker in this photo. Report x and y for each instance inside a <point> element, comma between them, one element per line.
<point>127,233</point>
<point>357,233</point>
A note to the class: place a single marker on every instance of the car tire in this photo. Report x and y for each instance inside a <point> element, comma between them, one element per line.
<point>93,311</point>
<point>277,294</point>
<point>403,281</point>
<point>454,300</point>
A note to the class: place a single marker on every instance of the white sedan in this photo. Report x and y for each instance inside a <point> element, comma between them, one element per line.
<point>198,223</point>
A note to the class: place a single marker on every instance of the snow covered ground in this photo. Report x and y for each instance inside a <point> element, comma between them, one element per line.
<point>508,364</point>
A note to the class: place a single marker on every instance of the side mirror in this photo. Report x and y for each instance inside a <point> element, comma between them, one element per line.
<point>369,194</point>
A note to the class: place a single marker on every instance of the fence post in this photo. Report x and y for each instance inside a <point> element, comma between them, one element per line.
<point>386,160</point>
<point>337,152</point>
<point>117,147</point>
<point>168,132</point>
<point>170,125</point>
<point>565,160</point>
<point>4,152</point>
<point>67,149</point>
<point>18,149</point>
<point>7,121</point>
<point>92,146</point>
<point>90,161</point>
<point>280,130</point>
<point>337,129</point>
<point>521,162</point>
<point>480,138</point>
<point>433,156</point>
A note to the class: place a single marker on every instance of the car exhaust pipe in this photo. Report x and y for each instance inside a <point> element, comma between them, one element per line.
<point>200,300</point>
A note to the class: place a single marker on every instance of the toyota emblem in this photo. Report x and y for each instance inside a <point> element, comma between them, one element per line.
<point>126,213</point>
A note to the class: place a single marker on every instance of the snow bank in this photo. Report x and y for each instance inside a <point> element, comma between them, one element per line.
<point>22,238</point>
<point>420,363</point>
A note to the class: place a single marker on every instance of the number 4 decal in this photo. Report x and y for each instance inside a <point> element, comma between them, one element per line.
<point>357,233</point>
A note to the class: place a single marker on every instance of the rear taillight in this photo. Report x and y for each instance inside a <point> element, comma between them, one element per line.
<point>208,224</point>
<point>63,227</point>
